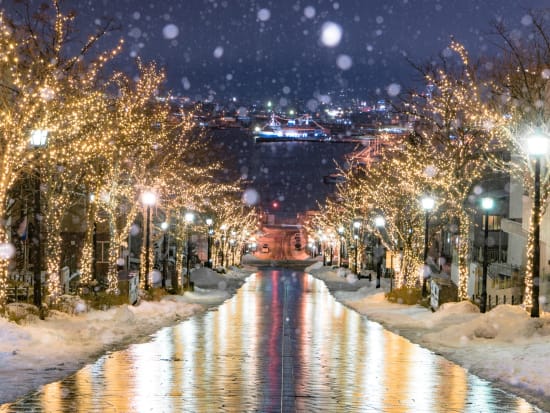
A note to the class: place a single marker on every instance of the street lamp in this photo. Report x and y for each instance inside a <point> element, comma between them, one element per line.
<point>189,218</point>
<point>428,204</point>
<point>209,223</point>
<point>356,226</point>
<point>537,146</point>
<point>379,222</point>
<point>38,139</point>
<point>148,198</point>
<point>486,204</point>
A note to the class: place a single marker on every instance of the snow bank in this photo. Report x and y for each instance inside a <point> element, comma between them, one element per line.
<point>208,279</point>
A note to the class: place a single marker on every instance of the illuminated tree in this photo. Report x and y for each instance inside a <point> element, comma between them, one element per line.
<point>454,138</point>
<point>231,217</point>
<point>347,206</point>
<point>139,132</point>
<point>521,93</point>
<point>384,189</point>
<point>43,87</point>
<point>446,155</point>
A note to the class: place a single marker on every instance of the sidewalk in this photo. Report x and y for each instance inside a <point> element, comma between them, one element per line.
<point>504,345</point>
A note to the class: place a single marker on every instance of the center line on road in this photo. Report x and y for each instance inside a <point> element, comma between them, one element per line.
<point>283,344</point>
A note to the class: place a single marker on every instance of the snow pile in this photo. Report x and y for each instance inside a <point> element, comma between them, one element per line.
<point>208,279</point>
<point>337,279</point>
<point>504,323</point>
<point>316,266</point>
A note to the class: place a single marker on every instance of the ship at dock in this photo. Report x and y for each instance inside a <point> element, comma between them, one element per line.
<point>303,128</point>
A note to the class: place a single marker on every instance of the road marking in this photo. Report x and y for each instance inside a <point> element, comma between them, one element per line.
<point>283,344</point>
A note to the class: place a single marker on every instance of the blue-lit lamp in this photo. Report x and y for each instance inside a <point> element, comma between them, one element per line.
<point>537,147</point>
<point>487,205</point>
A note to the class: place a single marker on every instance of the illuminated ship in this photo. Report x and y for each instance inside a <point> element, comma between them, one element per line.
<point>302,128</point>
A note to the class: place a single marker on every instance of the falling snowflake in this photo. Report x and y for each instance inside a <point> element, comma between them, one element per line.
<point>430,171</point>
<point>251,197</point>
<point>7,250</point>
<point>344,62</point>
<point>331,34</point>
<point>309,12</point>
<point>47,94</point>
<point>527,20</point>
<point>264,15</point>
<point>218,52</point>
<point>185,83</point>
<point>394,89</point>
<point>170,31</point>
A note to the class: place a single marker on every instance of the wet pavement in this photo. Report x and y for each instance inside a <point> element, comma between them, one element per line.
<point>281,344</point>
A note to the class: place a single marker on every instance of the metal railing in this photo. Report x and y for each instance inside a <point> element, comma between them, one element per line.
<point>19,294</point>
<point>496,299</point>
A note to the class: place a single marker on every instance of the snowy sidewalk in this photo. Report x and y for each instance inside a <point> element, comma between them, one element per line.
<point>42,351</point>
<point>504,345</point>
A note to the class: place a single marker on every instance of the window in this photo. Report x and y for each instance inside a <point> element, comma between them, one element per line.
<point>494,222</point>
<point>102,252</point>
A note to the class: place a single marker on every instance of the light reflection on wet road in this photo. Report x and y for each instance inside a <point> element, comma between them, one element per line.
<point>282,344</point>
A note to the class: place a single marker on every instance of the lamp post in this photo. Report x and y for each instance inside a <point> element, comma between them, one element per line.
<point>486,204</point>
<point>379,222</point>
<point>209,223</point>
<point>164,227</point>
<point>189,218</point>
<point>223,228</point>
<point>427,205</point>
<point>537,146</point>
<point>148,199</point>
<point>341,252</point>
<point>331,241</point>
<point>356,226</point>
<point>38,139</point>
<point>323,239</point>
<point>91,200</point>
<point>232,243</point>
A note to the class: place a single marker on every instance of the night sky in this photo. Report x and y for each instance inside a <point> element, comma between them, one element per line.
<point>275,48</point>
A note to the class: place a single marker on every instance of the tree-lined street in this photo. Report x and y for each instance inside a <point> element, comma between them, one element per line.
<point>261,212</point>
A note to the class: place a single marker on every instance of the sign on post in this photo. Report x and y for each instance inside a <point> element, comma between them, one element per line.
<point>133,287</point>
<point>65,279</point>
<point>434,297</point>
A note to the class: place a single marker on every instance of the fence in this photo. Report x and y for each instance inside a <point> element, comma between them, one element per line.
<point>19,293</point>
<point>496,299</point>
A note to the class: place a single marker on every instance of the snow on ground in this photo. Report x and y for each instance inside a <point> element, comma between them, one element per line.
<point>504,345</point>
<point>42,351</point>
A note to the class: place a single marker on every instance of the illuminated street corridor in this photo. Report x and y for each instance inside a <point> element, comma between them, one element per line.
<point>281,344</point>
